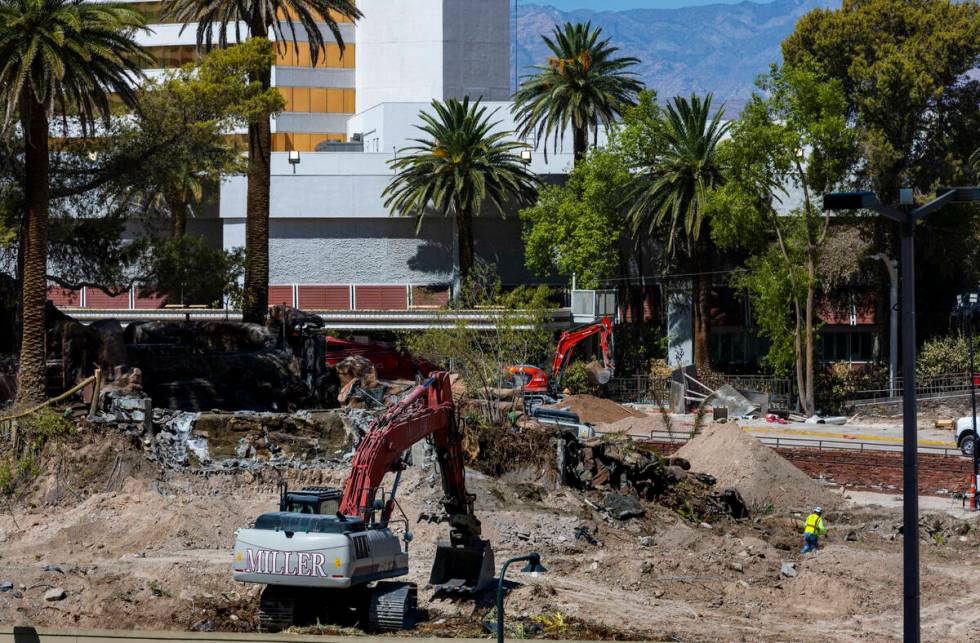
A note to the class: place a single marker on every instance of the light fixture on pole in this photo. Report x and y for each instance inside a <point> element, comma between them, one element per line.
<point>294,159</point>
<point>526,156</point>
<point>907,215</point>
<point>533,567</point>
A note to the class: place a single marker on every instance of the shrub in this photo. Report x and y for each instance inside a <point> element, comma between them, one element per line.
<point>949,354</point>
<point>577,380</point>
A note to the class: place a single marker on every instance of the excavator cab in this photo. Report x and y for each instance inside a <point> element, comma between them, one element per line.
<point>462,569</point>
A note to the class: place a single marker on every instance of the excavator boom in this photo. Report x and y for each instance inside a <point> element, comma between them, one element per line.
<point>571,338</point>
<point>465,561</point>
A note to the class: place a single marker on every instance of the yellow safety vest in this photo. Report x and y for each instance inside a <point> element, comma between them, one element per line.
<point>814,525</point>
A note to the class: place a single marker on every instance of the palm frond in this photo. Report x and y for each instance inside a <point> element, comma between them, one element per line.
<point>583,85</point>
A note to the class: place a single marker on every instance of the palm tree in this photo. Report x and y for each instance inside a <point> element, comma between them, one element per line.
<point>262,18</point>
<point>60,56</point>
<point>462,162</point>
<point>581,86</point>
<point>670,196</point>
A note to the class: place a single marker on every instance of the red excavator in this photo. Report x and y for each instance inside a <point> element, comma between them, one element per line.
<point>534,380</point>
<point>322,555</point>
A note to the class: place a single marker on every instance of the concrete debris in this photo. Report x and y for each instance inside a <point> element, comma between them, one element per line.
<point>622,507</point>
<point>788,570</point>
<point>55,594</point>
<point>53,568</point>
<point>6,586</point>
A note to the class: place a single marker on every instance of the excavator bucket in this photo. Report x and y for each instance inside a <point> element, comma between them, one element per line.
<point>462,568</point>
<point>597,374</point>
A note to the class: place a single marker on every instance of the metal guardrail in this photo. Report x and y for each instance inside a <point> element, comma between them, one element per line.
<point>339,319</point>
<point>819,444</point>
<point>926,387</point>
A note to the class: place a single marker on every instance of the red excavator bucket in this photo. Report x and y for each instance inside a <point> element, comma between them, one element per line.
<point>462,568</point>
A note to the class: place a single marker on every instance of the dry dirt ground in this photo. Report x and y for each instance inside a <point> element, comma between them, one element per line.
<point>136,547</point>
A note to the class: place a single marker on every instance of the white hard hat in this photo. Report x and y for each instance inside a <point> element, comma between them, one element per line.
<point>817,510</point>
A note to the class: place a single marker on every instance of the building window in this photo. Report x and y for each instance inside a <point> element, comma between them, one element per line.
<point>847,346</point>
<point>286,141</point>
<point>289,54</point>
<point>318,100</point>
<point>172,56</point>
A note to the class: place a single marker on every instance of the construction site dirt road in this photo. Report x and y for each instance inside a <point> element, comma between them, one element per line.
<point>107,538</point>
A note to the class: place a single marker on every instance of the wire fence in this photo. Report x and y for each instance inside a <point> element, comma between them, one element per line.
<point>644,389</point>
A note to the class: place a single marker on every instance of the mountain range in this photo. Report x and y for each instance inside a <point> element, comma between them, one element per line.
<point>720,48</point>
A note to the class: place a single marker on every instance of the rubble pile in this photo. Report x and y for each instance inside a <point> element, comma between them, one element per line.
<point>627,475</point>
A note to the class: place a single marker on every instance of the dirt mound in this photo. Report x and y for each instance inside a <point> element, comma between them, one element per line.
<point>596,410</point>
<point>760,474</point>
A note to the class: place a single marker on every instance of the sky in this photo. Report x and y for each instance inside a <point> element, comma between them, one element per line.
<point>608,5</point>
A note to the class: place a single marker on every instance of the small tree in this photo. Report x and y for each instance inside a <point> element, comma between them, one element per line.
<point>796,137</point>
<point>577,228</point>
<point>519,335</point>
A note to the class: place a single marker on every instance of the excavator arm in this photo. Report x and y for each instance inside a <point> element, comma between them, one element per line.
<point>571,338</point>
<point>462,563</point>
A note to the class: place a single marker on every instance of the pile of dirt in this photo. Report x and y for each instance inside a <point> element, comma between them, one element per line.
<point>762,476</point>
<point>596,410</point>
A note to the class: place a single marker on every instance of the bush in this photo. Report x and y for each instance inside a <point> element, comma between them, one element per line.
<point>950,354</point>
<point>842,381</point>
<point>577,380</point>
<point>35,431</point>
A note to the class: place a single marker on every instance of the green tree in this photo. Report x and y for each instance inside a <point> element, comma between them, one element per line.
<point>57,56</point>
<point>520,335</point>
<point>903,68</point>
<point>577,228</point>
<point>583,85</point>
<point>463,161</point>
<point>262,18</point>
<point>188,112</point>
<point>676,169</point>
<point>795,137</point>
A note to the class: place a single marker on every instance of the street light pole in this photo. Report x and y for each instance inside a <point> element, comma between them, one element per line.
<point>906,217</point>
<point>910,433</point>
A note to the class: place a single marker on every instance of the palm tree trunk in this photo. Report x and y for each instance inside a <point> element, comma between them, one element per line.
<point>31,371</point>
<point>256,297</point>
<point>580,143</point>
<point>464,233</point>
<point>178,214</point>
<point>700,290</point>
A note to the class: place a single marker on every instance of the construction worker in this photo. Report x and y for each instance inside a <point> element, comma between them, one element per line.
<point>813,530</point>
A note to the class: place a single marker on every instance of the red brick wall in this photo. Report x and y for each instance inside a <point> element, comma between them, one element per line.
<point>324,297</point>
<point>147,301</point>
<point>95,298</point>
<point>280,295</point>
<point>64,297</point>
<point>381,297</point>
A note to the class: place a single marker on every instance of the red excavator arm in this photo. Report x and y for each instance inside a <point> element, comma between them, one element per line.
<point>427,411</point>
<point>464,563</point>
<point>571,338</point>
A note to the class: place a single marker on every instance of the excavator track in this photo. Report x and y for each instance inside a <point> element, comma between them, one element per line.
<point>277,609</point>
<point>391,607</point>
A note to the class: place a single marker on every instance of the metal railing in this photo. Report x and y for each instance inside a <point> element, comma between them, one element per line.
<point>927,386</point>
<point>819,444</point>
<point>644,389</point>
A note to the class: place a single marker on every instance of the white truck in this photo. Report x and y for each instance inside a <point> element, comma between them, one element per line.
<point>966,438</point>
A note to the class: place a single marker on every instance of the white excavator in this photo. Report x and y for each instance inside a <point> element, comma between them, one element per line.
<point>327,555</point>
